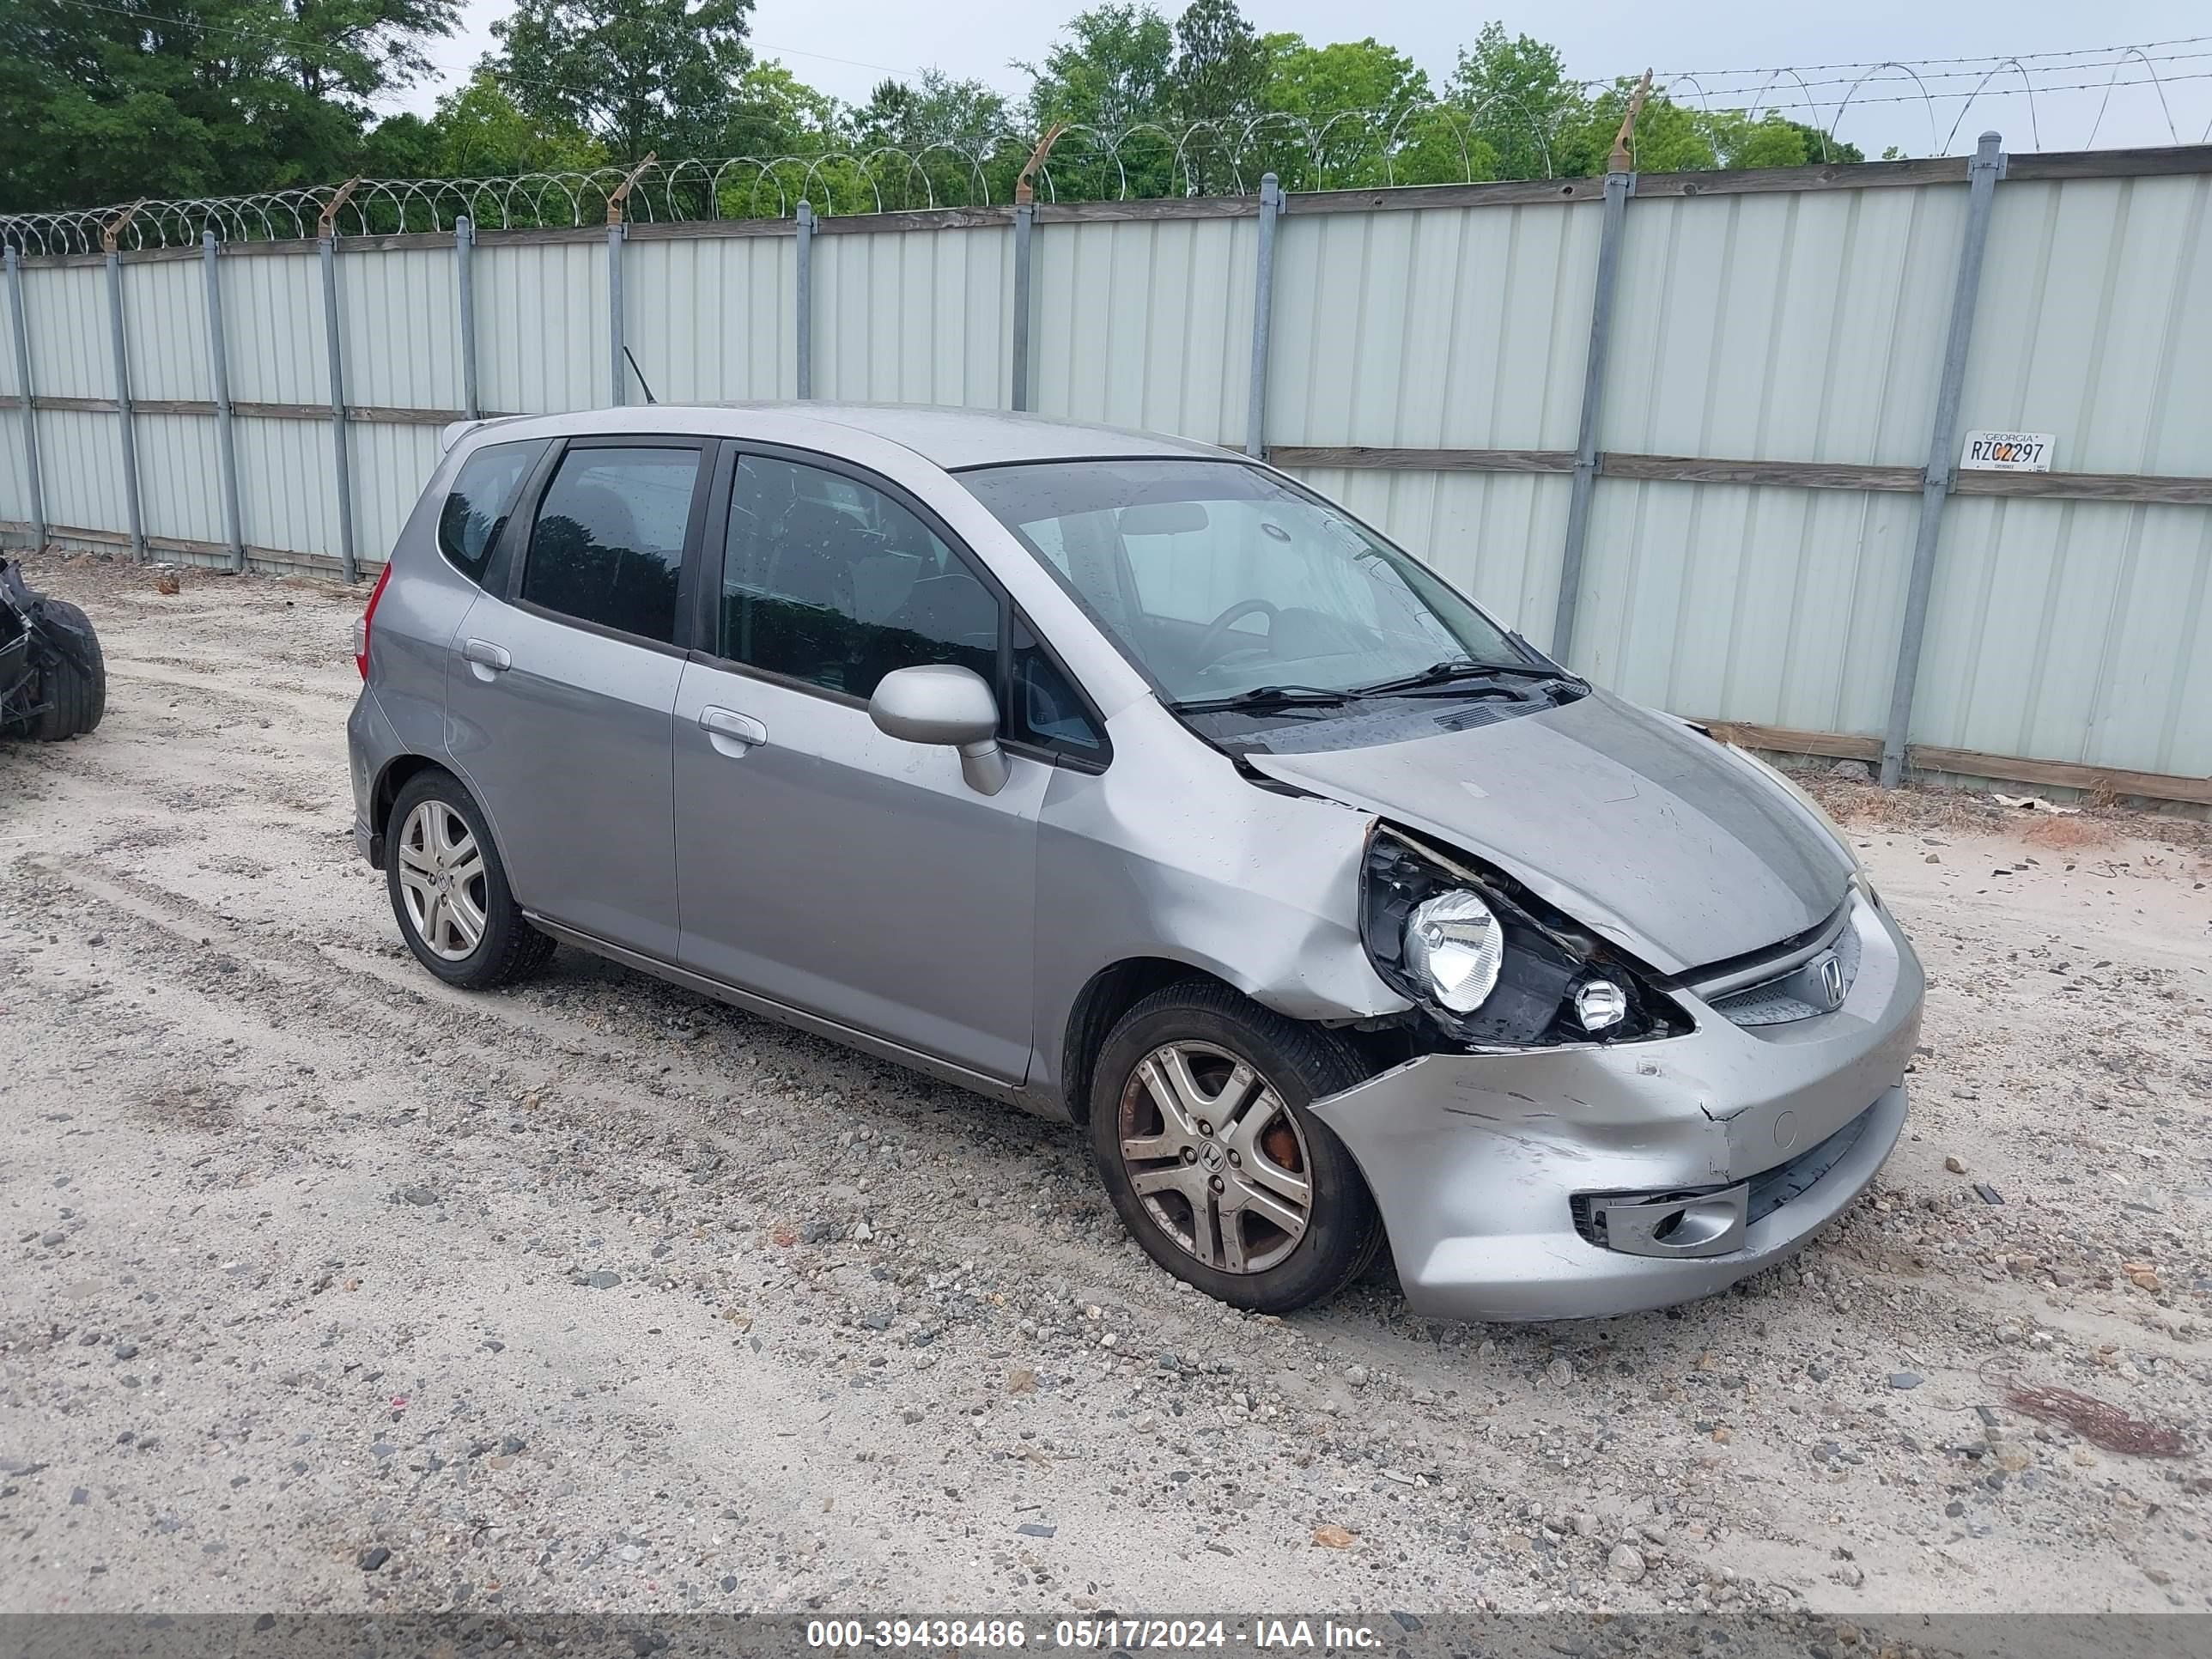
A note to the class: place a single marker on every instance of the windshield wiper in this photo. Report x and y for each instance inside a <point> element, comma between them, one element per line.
<point>1269,696</point>
<point>1454,669</point>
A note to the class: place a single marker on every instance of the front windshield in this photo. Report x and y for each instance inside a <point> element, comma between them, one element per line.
<point>1218,579</point>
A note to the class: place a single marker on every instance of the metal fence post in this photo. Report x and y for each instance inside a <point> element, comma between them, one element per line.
<point>1263,296</point>
<point>123,405</point>
<point>464,247</point>
<point>803,299</point>
<point>617,211</point>
<point>1024,225</point>
<point>1981,175</point>
<point>328,244</point>
<point>1620,185</point>
<point>30,410</point>
<point>615,307</point>
<point>219,362</point>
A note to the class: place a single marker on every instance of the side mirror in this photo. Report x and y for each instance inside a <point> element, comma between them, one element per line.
<point>941,703</point>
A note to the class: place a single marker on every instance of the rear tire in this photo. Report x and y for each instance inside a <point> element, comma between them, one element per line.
<point>1200,1127</point>
<point>449,891</point>
<point>75,699</point>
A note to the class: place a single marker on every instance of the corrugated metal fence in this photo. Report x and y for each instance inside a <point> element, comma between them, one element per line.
<point>1722,398</point>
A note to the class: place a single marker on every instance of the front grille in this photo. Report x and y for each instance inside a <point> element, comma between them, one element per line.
<point>1765,1005</point>
<point>1776,1001</point>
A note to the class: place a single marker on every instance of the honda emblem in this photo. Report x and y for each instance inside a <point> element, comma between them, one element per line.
<point>1831,980</point>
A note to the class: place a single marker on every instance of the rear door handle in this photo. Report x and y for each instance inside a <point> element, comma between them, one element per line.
<point>486,655</point>
<point>731,732</point>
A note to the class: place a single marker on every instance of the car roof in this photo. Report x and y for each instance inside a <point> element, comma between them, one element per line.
<point>954,438</point>
<point>947,437</point>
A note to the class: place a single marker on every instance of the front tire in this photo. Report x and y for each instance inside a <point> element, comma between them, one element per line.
<point>75,698</point>
<point>1200,1127</point>
<point>449,891</point>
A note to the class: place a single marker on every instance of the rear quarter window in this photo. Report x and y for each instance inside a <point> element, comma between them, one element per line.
<point>476,508</point>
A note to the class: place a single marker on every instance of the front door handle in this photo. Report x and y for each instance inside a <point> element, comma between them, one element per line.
<point>731,732</point>
<point>487,658</point>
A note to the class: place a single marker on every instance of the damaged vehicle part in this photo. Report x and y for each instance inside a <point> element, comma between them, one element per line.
<point>1596,1178</point>
<point>1537,979</point>
<point>1129,781</point>
<point>53,680</point>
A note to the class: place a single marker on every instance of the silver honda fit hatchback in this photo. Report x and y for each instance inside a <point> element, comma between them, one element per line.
<point>1131,782</point>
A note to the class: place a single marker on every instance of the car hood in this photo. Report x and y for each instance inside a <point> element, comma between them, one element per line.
<point>1639,827</point>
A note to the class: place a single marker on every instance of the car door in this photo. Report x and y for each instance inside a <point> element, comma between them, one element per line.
<point>822,864</point>
<point>564,682</point>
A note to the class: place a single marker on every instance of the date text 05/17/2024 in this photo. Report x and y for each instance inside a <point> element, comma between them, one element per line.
<point>1261,1635</point>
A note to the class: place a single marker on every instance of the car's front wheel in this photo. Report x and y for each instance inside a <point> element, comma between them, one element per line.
<point>449,891</point>
<point>1202,1134</point>
<point>76,685</point>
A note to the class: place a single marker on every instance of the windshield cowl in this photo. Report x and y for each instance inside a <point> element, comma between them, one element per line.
<point>1266,726</point>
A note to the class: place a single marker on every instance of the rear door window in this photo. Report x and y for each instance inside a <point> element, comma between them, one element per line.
<point>607,546</point>
<point>476,508</point>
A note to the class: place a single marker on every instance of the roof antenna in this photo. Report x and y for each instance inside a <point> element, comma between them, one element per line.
<point>640,373</point>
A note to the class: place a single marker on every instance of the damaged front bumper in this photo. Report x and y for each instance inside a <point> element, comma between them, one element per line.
<point>1589,1181</point>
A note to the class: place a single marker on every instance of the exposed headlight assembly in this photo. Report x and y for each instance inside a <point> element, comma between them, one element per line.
<point>1491,963</point>
<point>1455,946</point>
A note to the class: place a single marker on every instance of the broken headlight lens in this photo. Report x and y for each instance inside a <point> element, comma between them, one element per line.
<point>1492,965</point>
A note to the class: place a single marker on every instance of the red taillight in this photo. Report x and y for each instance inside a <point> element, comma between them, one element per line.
<point>368,617</point>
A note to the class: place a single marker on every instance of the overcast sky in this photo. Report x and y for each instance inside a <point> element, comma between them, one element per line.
<point>844,47</point>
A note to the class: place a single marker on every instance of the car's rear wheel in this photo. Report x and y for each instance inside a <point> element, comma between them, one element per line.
<point>75,692</point>
<point>1202,1134</point>
<point>449,891</point>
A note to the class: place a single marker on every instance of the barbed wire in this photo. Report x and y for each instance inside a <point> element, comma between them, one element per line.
<point>2054,58</point>
<point>1441,141</point>
<point>1453,142</point>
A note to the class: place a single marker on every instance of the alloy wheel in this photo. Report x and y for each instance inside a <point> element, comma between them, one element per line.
<point>1217,1159</point>
<point>442,880</point>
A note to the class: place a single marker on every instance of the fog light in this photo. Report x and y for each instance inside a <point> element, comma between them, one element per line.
<point>1601,1004</point>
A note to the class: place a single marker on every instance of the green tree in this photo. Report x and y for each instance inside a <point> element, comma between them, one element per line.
<point>936,140</point>
<point>1358,113</point>
<point>403,146</point>
<point>1672,137</point>
<point>1214,88</point>
<point>1774,140</point>
<point>1220,68</point>
<point>777,113</point>
<point>664,76</point>
<point>355,48</point>
<point>1111,73</point>
<point>180,98</point>
<point>934,109</point>
<point>1112,69</point>
<point>477,132</point>
<point>1518,98</point>
<point>111,100</point>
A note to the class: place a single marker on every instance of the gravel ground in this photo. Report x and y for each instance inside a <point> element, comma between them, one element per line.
<point>328,1286</point>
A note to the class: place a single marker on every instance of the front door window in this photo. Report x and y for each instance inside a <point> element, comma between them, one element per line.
<point>829,581</point>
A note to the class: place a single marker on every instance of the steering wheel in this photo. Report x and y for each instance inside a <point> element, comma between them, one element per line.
<point>1209,643</point>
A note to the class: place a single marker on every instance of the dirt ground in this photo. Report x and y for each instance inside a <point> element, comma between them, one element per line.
<point>332,1287</point>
